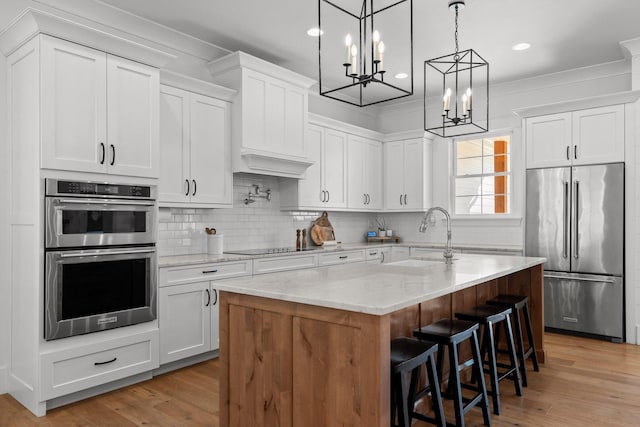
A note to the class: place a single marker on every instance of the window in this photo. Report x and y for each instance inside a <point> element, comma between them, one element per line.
<point>482,170</point>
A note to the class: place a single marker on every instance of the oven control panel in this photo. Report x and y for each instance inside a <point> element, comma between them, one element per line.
<point>83,188</point>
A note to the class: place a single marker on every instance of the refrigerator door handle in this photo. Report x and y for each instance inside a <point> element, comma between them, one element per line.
<point>576,218</point>
<point>565,220</point>
<point>581,279</point>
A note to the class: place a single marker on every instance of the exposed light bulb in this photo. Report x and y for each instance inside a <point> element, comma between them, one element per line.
<point>376,36</point>
<point>348,40</point>
<point>347,43</point>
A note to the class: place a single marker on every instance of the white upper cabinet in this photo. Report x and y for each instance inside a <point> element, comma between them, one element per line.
<point>269,115</point>
<point>99,112</point>
<point>132,117</point>
<point>364,184</point>
<point>74,106</point>
<point>325,183</point>
<point>589,136</point>
<point>194,150</point>
<point>407,175</point>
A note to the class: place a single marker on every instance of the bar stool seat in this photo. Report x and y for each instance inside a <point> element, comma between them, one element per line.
<point>448,334</point>
<point>518,304</point>
<point>408,355</point>
<point>488,316</point>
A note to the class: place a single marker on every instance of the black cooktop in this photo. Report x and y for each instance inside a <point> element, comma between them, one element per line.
<point>266,251</point>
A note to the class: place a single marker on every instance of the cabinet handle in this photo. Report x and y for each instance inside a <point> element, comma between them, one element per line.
<point>328,196</point>
<point>568,152</point>
<point>105,362</point>
<point>401,200</point>
<point>405,199</point>
<point>575,152</point>
<point>382,260</point>
<point>322,196</point>
<point>215,301</point>
<point>208,298</point>
<point>209,271</point>
<point>103,152</point>
<point>195,188</point>
<point>344,257</point>
<point>368,199</point>
<point>187,181</point>
<point>113,154</point>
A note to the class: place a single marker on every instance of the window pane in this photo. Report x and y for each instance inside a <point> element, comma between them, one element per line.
<point>495,164</point>
<point>495,146</point>
<point>468,186</point>
<point>468,205</point>
<point>469,166</point>
<point>469,148</point>
<point>495,204</point>
<point>495,185</point>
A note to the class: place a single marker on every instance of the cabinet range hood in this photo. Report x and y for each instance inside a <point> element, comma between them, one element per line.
<point>269,115</point>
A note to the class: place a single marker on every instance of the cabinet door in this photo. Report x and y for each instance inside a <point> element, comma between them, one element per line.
<point>413,174</point>
<point>211,177</point>
<point>334,159</point>
<point>74,134</point>
<point>598,135</point>
<point>215,319</point>
<point>373,174</point>
<point>132,106</point>
<point>295,120</point>
<point>549,141</point>
<point>393,175</point>
<point>185,320</point>
<point>310,191</point>
<point>174,145</point>
<point>356,163</point>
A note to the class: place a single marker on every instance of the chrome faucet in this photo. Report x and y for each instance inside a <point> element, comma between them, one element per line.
<point>448,252</point>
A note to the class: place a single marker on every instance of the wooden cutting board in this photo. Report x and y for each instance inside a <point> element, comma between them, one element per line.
<point>322,230</point>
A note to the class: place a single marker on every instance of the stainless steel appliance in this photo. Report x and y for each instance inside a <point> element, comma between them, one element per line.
<point>100,256</point>
<point>98,214</point>
<point>575,218</point>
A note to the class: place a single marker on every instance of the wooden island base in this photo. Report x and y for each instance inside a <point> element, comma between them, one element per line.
<point>289,364</point>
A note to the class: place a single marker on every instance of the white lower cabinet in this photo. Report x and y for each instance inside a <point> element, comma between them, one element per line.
<point>189,310</point>
<point>341,257</point>
<point>78,368</point>
<point>284,263</point>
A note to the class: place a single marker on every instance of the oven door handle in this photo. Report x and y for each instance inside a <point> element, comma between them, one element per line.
<point>104,201</point>
<point>103,252</point>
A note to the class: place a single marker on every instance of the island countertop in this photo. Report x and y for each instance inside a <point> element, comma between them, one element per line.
<point>375,288</point>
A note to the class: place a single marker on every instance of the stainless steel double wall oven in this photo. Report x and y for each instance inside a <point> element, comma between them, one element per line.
<point>100,256</point>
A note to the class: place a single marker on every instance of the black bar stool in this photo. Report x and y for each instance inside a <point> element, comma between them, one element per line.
<point>519,303</point>
<point>488,316</point>
<point>407,355</point>
<point>449,333</point>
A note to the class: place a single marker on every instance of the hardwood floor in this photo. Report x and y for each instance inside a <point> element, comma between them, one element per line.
<point>584,383</point>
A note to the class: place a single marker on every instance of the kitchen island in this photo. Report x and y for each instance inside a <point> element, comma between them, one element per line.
<point>311,347</point>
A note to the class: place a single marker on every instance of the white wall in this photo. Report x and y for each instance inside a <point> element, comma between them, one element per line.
<point>5,298</point>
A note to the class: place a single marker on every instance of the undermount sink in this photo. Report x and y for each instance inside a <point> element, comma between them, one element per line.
<point>419,262</point>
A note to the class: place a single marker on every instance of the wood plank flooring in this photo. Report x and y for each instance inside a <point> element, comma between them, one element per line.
<point>584,383</point>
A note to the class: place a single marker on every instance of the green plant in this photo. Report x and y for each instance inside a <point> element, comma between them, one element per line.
<point>382,225</point>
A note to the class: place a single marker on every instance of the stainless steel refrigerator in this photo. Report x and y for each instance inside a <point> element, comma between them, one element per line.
<point>575,218</point>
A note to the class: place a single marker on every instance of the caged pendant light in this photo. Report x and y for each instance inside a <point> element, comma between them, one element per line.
<point>365,50</point>
<point>463,79</point>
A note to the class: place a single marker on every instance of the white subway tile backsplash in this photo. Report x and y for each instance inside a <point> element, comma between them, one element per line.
<point>263,224</point>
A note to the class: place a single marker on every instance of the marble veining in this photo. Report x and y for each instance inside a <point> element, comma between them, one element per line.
<point>376,288</point>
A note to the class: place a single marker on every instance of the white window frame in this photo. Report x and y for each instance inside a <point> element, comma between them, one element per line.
<point>516,189</point>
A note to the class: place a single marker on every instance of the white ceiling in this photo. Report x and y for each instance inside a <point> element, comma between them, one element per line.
<point>564,34</point>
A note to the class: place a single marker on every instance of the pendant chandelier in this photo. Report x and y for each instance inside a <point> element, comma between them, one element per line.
<point>463,79</point>
<point>365,50</point>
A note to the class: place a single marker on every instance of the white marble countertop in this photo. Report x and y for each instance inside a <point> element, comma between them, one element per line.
<point>180,260</point>
<point>376,288</point>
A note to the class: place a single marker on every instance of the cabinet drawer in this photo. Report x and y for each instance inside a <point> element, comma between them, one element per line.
<point>341,257</point>
<point>79,368</point>
<point>373,253</point>
<point>179,275</point>
<point>272,265</point>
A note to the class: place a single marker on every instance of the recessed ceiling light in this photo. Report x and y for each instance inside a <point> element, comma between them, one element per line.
<point>401,76</point>
<point>521,46</point>
<point>315,32</point>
